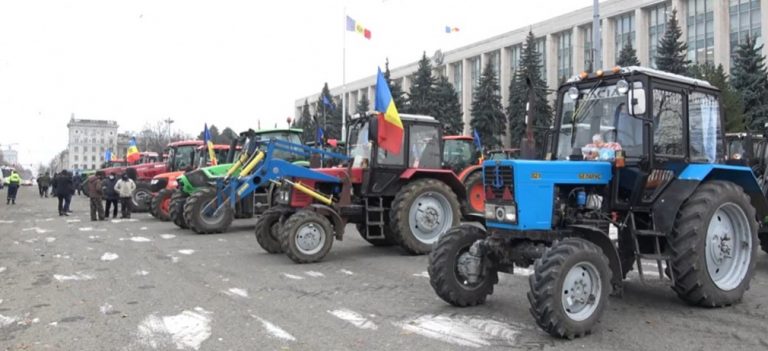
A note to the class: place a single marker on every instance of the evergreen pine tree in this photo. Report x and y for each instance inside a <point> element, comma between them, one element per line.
<point>528,80</point>
<point>671,54</point>
<point>363,106</point>
<point>487,112</point>
<point>628,56</point>
<point>398,96</point>
<point>731,103</point>
<point>421,96</point>
<point>447,108</point>
<point>306,123</point>
<point>328,115</point>
<point>750,80</point>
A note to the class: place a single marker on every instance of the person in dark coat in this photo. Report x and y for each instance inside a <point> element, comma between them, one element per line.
<point>94,190</point>
<point>43,182</point>
<point>65,187</point>
<point>53,184</point>
<point>110,195</point>
<point>77,183</point>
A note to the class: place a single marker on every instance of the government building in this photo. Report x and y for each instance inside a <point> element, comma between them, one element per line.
<point>88,140</point>
<point>712,29</point>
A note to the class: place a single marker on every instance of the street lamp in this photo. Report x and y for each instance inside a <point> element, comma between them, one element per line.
<point>169,121</point>
<point>288,119</point>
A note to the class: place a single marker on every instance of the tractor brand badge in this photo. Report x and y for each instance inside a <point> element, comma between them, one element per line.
<point>535,175</point>
<point>497,181</point>
<point>593,176</point>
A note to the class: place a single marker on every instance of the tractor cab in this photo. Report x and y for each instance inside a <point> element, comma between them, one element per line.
<point>460,152</point>
<point>182,155</point>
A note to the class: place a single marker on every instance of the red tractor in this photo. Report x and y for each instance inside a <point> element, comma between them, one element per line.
<point>461,155</point>
<point>407,198</point>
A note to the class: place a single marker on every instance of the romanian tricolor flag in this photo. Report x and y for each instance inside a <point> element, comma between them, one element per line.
<point>355,26</point>
<point>390,134</point>
<point>133,152</point>
<point>209,145</point>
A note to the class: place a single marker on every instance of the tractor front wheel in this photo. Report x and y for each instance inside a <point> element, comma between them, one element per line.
<point>421,211</point>
<point>714,245</point>
<point>202,214</point>
<point>307,236</point>
<point>569,288</point>
<point>268,229</point>
<point>176,208</point>
<point>448,272</point>
<point>140,198</point>
<point>161,205</point>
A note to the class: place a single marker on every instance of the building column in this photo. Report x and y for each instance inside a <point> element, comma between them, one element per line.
<point>552,79</point>
<point>642,24</point>
<point>406,84</point>
<point>466,99</point>
<point>722,35</point>
<point>682,16</point>
<point>608,32</point>
<point>577,50</point>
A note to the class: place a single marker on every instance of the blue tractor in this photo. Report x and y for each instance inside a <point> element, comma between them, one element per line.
<point>634,152</point>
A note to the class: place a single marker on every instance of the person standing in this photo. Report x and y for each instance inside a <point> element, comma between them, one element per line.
<point>110,194</point>
<point>93,187</point>
<point>14,181</point>
<point>53,184</point>
<point>43,182</point>
<point>125,187</point>
<point>64,190</point>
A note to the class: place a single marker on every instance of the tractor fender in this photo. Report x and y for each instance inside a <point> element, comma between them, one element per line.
<point>739,175</point>
<point>601,239</point>
<point>333,215</point>
<point>469,171</point>
<point>444,175</point>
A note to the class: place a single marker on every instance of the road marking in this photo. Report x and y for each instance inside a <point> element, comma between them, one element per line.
<point>167,236</point>
<point>463,330</point>
<point>354,318</point>
<point>37,230</point>
<point>346,272</point>
<point>314,274</point>
<point>106,308</point>
<point>274,330</point>
<point>424,274</point>
<point>187,330</point>
<point>109,256</point>
<point>291,276</point>
<point>186,251</point>
<point>237,292</point>
<point>76,276</point>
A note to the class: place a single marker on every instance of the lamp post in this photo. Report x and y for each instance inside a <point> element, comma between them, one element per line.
<point>288,119</point>
<point>169,121</point>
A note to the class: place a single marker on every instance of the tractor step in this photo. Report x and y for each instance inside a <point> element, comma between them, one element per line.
<point>645,232</point>
<point>655,257</point>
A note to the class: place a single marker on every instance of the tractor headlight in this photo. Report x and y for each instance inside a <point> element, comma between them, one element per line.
<point>153,182</point>
<point>501,213</point>
<point>573,93</point>
<point>622,86</point>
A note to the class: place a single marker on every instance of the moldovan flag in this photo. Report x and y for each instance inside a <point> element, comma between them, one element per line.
<point>390,135</point>
<point>209,145</point>
<point>133,151</point>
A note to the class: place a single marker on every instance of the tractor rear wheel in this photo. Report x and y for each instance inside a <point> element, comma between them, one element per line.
<point>714,245</point>
<point>176,208</point>
<point>475,202</point>
<point>764,242</point>
<point>161,205</point>
<point>268,229</point>
<point>386,241</point>
<point>202,214</point>
<point>569,288</point>
<point>446,275</point>
<point>421,211</point>
<point>306,236</point>
<point>141,198</point>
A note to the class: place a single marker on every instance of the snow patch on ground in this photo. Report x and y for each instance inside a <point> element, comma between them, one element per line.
<point>2,221</point>
<point>143,228</point>
<point>139,239</point>
<point>354,318</point>
<point>106,308</point>
<point>141,273</point>
<point>424,274</point>
<point>347,272</point>
<point>93,237</point>
<point>37,230</point>
<point>2,269</point>
<point>73,221</point>
<point>76,276</point>
<point>291,276</point>
<point>85,229</point>
<point>274,330</point>
<point>185,331</point>
<point>463,330</point>
<point>6,321</point>
<point>124,220</point>
<point>109,256</point>
<point>186,251</point>
<point>167,236</point>
<point>50,239</point>
<point>237,292</point>
<point>174,259</point>
<point>314,274</point>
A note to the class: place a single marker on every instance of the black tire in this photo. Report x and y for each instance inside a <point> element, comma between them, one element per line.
<point>388,240</point>
<point>764,242</point>
<point>141,198</point>
<point>443,272</point>
<point>157,205</point>
<point>547,287</point>
<point>626,252</point>
<point>268,229</point>
<point>200,224</point>
<point>152,207</point>
<point>693,282</point>
<point>176,210</point>
<point>299,221</point>
<point>473,179</point>
<point>401,207</point>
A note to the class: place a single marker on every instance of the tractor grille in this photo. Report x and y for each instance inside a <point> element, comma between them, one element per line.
<point>497,179</point>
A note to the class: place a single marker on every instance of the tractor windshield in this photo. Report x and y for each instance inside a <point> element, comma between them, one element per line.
<point>181,157</point>
<point>598,120</point>
<point>458,154</point>
<point>291,137</point>
<point>359,146</point>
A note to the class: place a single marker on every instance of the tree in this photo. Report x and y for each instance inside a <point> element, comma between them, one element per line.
<point>363,106</point>
<point>526,86</point>
<point>734,117</point>
<point>306,123</point>
<point>227,136</point>
<point>155,137</point>
<point>671,54</point>
<point>214,133</point>
<point>750,80</point>
<point>447,107</point>
<point>628,56</point>
<point>487,112</point>
<point>398,96</point>
<point>328,115</point>
<point>421,95</point>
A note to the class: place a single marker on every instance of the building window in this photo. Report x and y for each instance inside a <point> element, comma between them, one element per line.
<point>458,78</point>
<point>77,148</point>
<point>541,49</point>
<point>101,158</point>
<point>701,25</point>
<point>514,58</point>
<point>564,57</point>
<point>93,158</point>
<point>495,59</point>
<point>658,16</point>
<point>76,158</point>
<point>625,32</point>
<point>588,59</point>
<point>475,71</point>
<point>93,148</point>
<point>745,21</point>
<point>75,166</point>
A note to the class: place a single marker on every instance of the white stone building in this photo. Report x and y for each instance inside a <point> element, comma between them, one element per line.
<point>88,140</point>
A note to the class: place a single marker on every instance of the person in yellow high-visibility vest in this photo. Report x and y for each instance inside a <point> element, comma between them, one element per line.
<point>14,181</point>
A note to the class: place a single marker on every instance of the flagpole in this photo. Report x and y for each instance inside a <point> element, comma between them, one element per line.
<point>344,78</point>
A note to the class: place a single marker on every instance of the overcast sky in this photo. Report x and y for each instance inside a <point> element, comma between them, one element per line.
<point>228,63</point>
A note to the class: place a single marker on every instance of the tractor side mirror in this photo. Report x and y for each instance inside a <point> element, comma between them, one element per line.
<point>373,130</point>
<point>636,101</point>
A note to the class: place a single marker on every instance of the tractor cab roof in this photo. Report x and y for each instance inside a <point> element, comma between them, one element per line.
<point>279,130</point>
<point>185,143</point>
<point>631,70</point>
<point>458,137</point>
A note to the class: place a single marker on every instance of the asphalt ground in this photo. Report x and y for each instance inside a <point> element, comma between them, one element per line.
<point>67,283</point>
